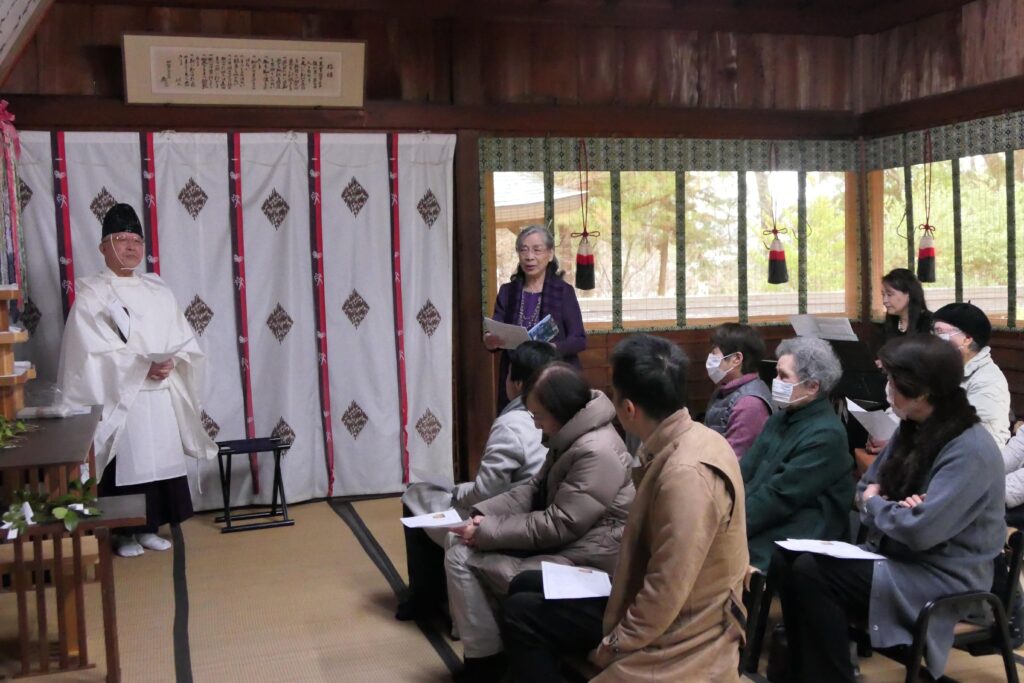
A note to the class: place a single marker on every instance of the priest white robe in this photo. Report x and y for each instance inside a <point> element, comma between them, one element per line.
<point>117,328</point>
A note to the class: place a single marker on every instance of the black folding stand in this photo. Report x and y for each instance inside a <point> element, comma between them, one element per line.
<point>228,449</point>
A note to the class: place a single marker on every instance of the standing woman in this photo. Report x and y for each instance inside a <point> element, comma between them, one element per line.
<point>905,308</point>
<point>932,503</point>
<point>536,290</point>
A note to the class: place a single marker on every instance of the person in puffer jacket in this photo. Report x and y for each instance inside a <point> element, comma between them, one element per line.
<point>572,512</point>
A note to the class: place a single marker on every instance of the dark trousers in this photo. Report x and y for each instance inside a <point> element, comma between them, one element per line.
<point>820,595</point>
<point>537,631</point>
<point>428,588</point>
<point>168,501</point>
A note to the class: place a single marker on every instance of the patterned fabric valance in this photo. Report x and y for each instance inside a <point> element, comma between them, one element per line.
<point>981,136</point>
<point>667,154</point>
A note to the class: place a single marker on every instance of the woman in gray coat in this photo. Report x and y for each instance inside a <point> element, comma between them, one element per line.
<point>932,504</point>
<point>571,512</point>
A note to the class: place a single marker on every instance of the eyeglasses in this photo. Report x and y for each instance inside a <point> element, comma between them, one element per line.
<point>126,238</point>
<point>536,251</point>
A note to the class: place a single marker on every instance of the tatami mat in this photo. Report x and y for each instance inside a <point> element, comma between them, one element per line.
<point>302,603</point>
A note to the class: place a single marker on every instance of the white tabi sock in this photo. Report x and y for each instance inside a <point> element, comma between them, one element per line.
<point>153,542</point>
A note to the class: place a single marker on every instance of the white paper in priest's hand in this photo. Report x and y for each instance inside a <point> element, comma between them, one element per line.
<point>511,335</point>
<point>168,354</point>
<point>564,582</point>
<point>440,481</point>
<point>880,424</point>
<point>839,549</point>
<point>436,520</point>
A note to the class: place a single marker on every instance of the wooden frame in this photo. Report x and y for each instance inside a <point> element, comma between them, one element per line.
<point>198,70</point>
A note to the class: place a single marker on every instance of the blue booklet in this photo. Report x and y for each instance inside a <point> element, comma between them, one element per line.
<point>545,330</point>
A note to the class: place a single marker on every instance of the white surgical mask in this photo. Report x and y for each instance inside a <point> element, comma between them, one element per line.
<point>943,336</point>
<point>782,392</point>
<point>713,366</point>
<point>888,393</point>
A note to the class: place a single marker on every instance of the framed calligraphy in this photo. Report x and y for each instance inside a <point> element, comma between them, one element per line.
<point>193,70</point>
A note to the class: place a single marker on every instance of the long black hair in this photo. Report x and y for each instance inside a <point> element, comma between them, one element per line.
<point>918,315</point>
<point>923,365</point>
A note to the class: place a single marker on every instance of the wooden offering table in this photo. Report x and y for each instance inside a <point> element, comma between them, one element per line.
<point>48,457</point>
<point>47,555</point>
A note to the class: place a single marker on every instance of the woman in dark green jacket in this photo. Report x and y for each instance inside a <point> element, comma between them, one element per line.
<point>797,474</point>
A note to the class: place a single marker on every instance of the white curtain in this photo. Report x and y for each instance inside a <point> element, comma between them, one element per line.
<point>425,212</point>
<point>280,231</point>
<point>194,230</point>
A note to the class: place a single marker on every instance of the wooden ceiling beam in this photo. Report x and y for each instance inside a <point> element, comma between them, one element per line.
<point>72,112</point>
<point>699,15</point>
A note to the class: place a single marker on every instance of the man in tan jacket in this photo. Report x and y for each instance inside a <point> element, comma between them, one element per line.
<point>675,612</point>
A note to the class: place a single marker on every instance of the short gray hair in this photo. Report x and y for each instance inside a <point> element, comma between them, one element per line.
<point>814,360</point>
<point>536,229</point>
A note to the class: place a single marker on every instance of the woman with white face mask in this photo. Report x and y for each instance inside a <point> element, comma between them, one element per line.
<point>741,402</point>
<point>932,503</point>
<point>797,475</point>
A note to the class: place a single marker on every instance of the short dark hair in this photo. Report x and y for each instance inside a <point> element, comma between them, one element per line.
<point>650,372</point>
<point>731,338</point>
<point>528,358</point>
<point>560,388</point>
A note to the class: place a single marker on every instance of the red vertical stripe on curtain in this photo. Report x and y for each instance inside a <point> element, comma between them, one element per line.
<point>242,313</point>
<point>316,225</point>
<point>63,212</point>
<point>149,203</point>
<point>396,269</point>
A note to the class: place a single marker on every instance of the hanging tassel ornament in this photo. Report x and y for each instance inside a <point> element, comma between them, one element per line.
<point>778,273</point>
<point>926,255</point>
<point>926,249</point>
<point>584,255</point>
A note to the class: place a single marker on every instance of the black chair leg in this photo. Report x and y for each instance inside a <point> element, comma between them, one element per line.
<point>753,658</point>
<point>1005,646</point>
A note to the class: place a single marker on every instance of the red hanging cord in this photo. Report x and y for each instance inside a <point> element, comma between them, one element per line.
<point>583,173</point>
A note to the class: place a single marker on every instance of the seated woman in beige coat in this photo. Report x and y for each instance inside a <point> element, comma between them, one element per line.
<point>571,512</point>
<point>675,610</point>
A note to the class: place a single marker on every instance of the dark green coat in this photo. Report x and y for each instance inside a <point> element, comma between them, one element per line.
<point>798,480</point>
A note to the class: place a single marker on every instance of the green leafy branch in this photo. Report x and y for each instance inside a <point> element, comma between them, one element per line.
<point>49,511</point>
<point>11,431</point>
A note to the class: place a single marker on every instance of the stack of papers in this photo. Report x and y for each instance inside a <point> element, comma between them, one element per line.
<point>564,582</point>
<point>843,551</point>
<point>435,520</point>
<point>836,329</point>
<point>880,424</point>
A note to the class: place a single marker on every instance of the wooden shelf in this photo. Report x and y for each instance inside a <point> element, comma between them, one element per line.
<point>13,337</point>
<point>18,378</point>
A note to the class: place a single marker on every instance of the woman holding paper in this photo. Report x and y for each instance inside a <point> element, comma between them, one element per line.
<point>535,291</point>
<point>572,511</point>
<point>932,503</point>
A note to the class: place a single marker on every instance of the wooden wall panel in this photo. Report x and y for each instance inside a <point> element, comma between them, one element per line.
<point>638,67</point>
<point>718,70</point>
<point>506,63</point>
<point>598,66</point>
<point>678,61</point>
<point>991,37</point>
<point>554,65</point>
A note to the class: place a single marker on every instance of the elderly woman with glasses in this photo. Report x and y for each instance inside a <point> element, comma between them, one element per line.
<point>535,291</point>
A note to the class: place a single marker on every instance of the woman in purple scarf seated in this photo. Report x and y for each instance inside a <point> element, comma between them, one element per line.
<point>536,290</point>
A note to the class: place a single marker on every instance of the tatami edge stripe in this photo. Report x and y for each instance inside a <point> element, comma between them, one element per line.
<point>182,649</point>
<point>375,552</point>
